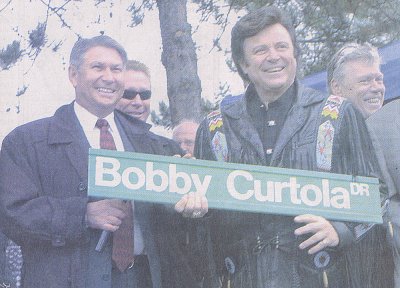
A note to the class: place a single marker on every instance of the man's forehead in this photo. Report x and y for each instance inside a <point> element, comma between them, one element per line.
<point>275,32</point>
<point>133,77</point>
<point>102,54</point>
<point>186,128</point>
<point>362,66</point>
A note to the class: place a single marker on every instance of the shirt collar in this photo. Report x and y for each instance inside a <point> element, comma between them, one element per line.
<point>88,120</point>
<point>283,103</point>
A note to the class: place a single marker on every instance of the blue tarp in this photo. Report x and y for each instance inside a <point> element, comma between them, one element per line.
<point>390,68</point>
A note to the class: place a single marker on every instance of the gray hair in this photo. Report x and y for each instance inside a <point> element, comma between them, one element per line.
<point>253,23</point>
<point>83,45</point>
<point>134,65</point>
<point>350,52</point>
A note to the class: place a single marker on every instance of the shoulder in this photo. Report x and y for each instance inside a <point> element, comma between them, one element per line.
<point>30,132</point>
<point>169,146</point>
<point>213,122</point>
<point>162,139</point>
<point>309,98</point>
<point>389,112</point>
<point>38,130</point>
<point>311,92</point>
<point>339,108</point>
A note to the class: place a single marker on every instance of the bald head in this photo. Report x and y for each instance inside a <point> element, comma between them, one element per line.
<point>185,135</point>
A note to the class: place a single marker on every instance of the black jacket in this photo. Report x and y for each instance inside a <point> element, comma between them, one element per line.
<point>263,248</point>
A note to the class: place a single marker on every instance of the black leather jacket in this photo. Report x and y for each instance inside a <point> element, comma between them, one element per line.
<point>260,250</point>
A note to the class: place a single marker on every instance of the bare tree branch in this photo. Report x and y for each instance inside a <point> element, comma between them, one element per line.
<point>5,6</point>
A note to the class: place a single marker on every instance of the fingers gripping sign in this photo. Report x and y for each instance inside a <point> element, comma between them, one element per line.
<point>323,233</point>
<point>105,214</point>
<point>193,205</point>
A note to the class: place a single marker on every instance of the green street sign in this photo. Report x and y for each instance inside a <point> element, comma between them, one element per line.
<point>162,179</point>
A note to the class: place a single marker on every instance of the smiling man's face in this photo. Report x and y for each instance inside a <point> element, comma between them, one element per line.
<point>269,61</point>
<point>137,107</point>
<point>362,84</point>
<point>99,80</point>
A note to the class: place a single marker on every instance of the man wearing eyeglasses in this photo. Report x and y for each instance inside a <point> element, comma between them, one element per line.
<point>136,98</point>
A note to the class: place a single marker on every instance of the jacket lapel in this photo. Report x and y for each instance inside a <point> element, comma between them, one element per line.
<point>242,126</point>
<point>135,131</point>
<point>296,118</point>
<point>65,129</point>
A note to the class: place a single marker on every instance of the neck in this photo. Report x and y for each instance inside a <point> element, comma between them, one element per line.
<point>267,97</point>
<point>101,112</point>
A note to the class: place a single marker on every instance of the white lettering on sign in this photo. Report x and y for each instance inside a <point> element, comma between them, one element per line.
<point>359,189</point>
<point>230,184</point>
<point>241,185</point>
<point>101,170</point>
<point>108,174</point>
<point>273,191</point>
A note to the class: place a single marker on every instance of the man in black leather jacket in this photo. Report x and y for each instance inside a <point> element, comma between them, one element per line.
<point>280,123</point>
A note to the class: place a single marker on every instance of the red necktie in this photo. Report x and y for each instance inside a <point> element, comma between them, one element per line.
<point>122,252</point>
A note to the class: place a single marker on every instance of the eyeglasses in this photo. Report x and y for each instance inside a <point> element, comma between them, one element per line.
<point>131,94</point>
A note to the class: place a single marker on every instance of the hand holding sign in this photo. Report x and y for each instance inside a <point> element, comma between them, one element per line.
<point>161,179</point>
<point>105,214</point>
<point>324,235</point>
<point>193,204</point>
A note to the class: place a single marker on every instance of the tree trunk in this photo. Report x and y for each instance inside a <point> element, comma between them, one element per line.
<point>180,60</point>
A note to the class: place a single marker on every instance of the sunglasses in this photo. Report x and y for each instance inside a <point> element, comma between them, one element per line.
<point>131,94</point>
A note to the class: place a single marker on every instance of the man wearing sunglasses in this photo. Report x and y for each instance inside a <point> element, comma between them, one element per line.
<point>136,98</point>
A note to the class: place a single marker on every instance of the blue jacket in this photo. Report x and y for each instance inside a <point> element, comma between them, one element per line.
<point>43,197</point>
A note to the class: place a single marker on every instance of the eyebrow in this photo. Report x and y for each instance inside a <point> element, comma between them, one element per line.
<point>261,46</point>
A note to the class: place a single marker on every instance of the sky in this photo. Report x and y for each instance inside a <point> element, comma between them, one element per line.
<point>47,78</point>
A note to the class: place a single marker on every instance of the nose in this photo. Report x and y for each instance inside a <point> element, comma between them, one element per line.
<point>137,101</point>
<point>108,75</point>
<point>377,86</point>
<point>273,55</point>
<point>188,147</point>
<point>185,147</point>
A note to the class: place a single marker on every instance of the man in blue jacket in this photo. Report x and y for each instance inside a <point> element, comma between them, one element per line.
<point>43,184</point>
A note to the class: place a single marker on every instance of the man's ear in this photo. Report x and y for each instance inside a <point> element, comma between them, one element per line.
<point>336,88</point>
<point>73,75</point>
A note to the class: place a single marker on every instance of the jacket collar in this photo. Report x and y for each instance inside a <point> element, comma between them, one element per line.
<point>133,125</point>
<point>65,127</point>
<point>295,119</point>
<point>236,109</point>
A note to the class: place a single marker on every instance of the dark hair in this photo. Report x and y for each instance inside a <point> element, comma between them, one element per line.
<point>134,65</point>
<point>83,45</point>
<point>253,23</point>
<point>350,52</point>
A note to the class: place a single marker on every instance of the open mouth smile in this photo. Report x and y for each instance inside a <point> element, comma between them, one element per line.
<point>105,90</point>
<point>374,100</point>
<point>274,69</point>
